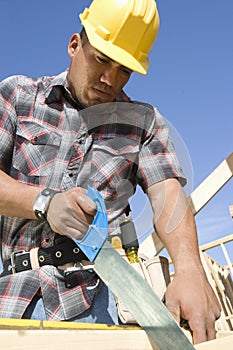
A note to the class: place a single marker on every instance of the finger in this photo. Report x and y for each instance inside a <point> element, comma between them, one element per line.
<point>75,234</point>
<point>199,334</point>
<point>86,204</point>
<point>174,311</point>
<point>204,332</point>
<point>211,332</point>
<point>74,226</point>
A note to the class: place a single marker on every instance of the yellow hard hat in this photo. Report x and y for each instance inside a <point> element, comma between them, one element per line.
<point>123,30</point>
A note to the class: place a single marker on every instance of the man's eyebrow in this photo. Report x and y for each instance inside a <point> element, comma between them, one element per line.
<point>111,60</point>
<point>105,56</point>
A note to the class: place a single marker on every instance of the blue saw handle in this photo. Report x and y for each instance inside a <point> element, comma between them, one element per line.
<point>97,233</point>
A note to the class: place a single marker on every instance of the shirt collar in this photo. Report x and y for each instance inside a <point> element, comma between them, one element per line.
<point>52,94</point>
<point>60,79</point>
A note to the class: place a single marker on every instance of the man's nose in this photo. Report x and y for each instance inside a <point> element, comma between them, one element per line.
<point>109,76</point>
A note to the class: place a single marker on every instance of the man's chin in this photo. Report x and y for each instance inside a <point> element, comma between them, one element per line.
<point>96,100</point>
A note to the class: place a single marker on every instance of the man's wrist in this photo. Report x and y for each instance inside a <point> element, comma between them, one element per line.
<point>190,266</point>
<point>42,203</point>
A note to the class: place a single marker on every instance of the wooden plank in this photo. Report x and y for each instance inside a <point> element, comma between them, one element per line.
<point>92,339</point>
<point>20,334</point>
<point>48,325</point>
<point>227,257</point>
<point>151,246</point>
<point>49,335</point>
<point>231,210</point>
<point>217,242</point>
<point>211,185</point>
<point>11,323</point>
<point>225,343</point>
<point>74,339</point>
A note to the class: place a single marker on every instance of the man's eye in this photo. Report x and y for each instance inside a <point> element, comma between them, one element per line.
<point>126,71</point>
<point>101,59</point>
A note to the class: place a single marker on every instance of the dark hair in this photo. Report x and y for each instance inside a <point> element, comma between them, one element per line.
<point>83,36</point>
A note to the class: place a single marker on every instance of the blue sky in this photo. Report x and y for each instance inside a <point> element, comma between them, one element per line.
<point>190,79</point>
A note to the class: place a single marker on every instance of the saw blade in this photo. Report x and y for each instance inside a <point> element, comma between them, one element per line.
<point>139,298</point>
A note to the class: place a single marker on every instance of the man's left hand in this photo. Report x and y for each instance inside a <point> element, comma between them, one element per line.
<point>189,296</point>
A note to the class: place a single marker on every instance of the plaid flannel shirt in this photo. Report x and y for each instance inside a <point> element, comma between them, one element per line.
<point>47,140</point>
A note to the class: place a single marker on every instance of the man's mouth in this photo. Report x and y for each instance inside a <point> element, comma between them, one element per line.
<point>101,93</point>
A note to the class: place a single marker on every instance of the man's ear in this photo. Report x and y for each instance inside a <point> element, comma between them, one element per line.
<point>74,44</point>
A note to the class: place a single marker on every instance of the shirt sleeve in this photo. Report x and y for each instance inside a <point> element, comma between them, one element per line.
<point>8,119</point>
<point>158,160</point>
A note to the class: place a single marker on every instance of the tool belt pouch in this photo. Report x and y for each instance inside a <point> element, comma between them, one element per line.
<point>156,272</point>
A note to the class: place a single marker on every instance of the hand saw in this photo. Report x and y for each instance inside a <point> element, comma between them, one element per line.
<point>133,291</point>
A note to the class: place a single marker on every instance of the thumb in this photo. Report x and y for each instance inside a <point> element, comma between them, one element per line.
<point>86,204</point>
<point>174,310</point>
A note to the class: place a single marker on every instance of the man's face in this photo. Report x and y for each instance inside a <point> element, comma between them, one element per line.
<point>94,78</point>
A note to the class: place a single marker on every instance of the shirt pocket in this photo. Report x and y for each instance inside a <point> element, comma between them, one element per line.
<point>114,160</point>
<point>36,148</point>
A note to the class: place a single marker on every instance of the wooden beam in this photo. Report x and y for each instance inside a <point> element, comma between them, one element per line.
<point>17,334</point>
<point>211,185</point>
<point>27,324</point>
<point>218,344</point>
<point>151,246</point>
<point>217,242</point>
<point>231,210</point>
<point>74,339</point>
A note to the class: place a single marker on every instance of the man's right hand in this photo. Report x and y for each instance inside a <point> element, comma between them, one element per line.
<point>70,213</point>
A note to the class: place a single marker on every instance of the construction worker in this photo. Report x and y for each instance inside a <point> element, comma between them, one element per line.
<point>49,154</point>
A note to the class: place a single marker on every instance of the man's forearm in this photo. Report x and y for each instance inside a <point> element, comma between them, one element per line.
<point>189,295</point>
<point>16,199</point>
<point>174,222</point>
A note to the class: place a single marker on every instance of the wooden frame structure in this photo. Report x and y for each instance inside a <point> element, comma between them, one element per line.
<point>220,278</point>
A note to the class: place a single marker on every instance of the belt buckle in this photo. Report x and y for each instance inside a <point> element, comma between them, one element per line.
<point>13,256</point>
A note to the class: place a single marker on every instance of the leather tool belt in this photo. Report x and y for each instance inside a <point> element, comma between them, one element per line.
<point>63,252</point>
